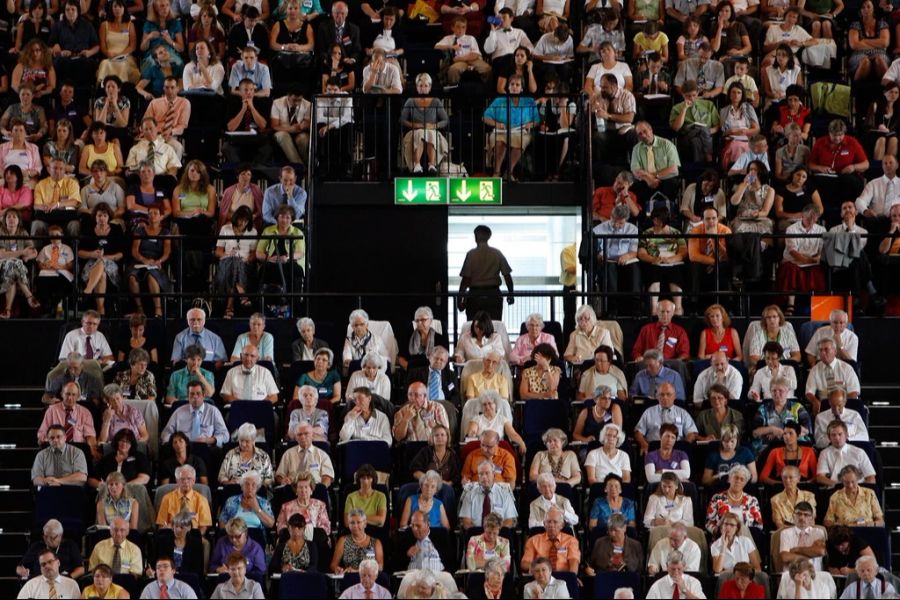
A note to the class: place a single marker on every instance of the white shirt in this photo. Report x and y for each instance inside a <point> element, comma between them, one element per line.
<point>335,112</point>
<point>358,591</point>
<point>192,79</point>
<point>244,246</point>
<point>549,45</point>
<point>38,587</point>
<point>381,386</point>
<point>555,589</point>
<point>621,71</point>
<point>857,589</point>
<point>844,376</point>
<point>664,586</point>
<point>467,44</point>
<point>740,551</point>
<point>658,506</point>
<point>849,340</point>
<point>893,72</point>
<point>470,348</point>
<point>733,381</point>
<point>775,35</point>
<point>806,246</point>
<point>880,194</point>
<point>75,342</point>
<point>377,428</point>
<point>540,505</point>
<point>501,43</point>
<point>791,538</point>
<point>856,427</point>
<point>663,548</point>
<point>603,465</point>
<point>259,381</point>
<point>282,112</point>
<point>832,460</point>
<point>519,7</point>
<point>388,79</point>
<point>762,380</point>
<point>822,587</point>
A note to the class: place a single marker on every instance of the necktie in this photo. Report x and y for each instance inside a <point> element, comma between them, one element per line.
<point>710,247</point>
<point>829,378</point>
<point>369,595</point>
<point>52,592</point>
<point>57,463</point>
<point>88,348</point>
<point>676,593</point>
<point>184,503</point>
<point>248,386</point>
<point>164,591</point>
<point>292,114</point>
<point>661,340</point>
<point>870,594</point>
<point>654,85</point>
<point>169,120</point>
<point>54,256</point>
<point>195,424</point>
<point>196,337</point>
<point>485,504</point>
<point>434,384</point>
<point>651,160</point>
<point>801,539</point>
<point>117,559</point>
<point>55,199</point>
<point>304,460</point>
<point>553,554</point>
<point>70,426</point>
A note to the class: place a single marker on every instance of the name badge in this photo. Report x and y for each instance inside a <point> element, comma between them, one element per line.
<point>313,466</point>
<point>671,341</point>
<point>562,550</point>
<point>490,553</point>
<point>209,354</point>
<point>674,465</point>
<point>370,554</point>
<point>723,348</point>
<point>159,194</point>
<point>366,424</point>
<point>498,469</point>
<point>845,152</point>
<point>670,506</point>
<point>323,391</point>
<point>260,392</point>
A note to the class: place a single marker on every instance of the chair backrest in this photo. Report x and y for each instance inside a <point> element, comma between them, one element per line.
<point>356,453</point>
<point>554,328</point>
<point>65,503</point>
<point>499,328</point>
<point>472,408</point>
<point>571,580</point>
<point>615,332</point>
<point>752,331</point>
<point>540,415</point>
<point>775,548</point>
<point>607,582</point>
<point>260,413</point>
<point>151,417</point>
<point>879,539</point>
<point>295,584</point>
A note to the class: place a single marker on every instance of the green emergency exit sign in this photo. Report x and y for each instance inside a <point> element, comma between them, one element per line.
<point>470,191</point>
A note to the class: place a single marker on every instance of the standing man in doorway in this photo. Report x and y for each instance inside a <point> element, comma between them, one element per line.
<point>481,271</point>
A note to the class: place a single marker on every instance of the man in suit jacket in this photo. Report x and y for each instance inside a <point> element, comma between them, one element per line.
<point>438,364</point>
<point>339,30</point>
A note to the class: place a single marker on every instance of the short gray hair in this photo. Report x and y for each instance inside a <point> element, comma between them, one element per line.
<point>372,359</point>
<point>494,565</point>
<point>545,477</point>
<point>358,512</point>
<point>866,558</point>
<point>623,593</point>
<point>423,311</point>
<point>431,475</point>
<point>327,352</point>
<point>252,474</point>
<point>303,322</point>
<point>423,78</point>
<point>850,469</point>
<point>53,528</point>
<point>424,576</point>
<point>247,431</point>
<point>620,211</point>
<point>627,176</point>
<point>675,557</point>
<point>185,469</point>
<point>370,565</point>
<point>535,317</point>
<point>303,387</point>
<point>184,518</point>
<point>491,396</point>
<point>258,316</point>
<point>555,432</point>
<point>110,390</point>
<point>359,314</point>
<point>739,470</point>
<point>138,355</point>
<point>653,354</point>
<point>586,309</point>
<point>616,521</point>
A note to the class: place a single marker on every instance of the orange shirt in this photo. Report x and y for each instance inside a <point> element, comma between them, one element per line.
<point>697,247</point>
<point>504,466</point>
<point>566,550</point>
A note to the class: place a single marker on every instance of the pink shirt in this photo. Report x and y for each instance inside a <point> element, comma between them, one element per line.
<point>521,352</point>
<point>21,198</point>
<point>83,422</point>
<point>27,158</point>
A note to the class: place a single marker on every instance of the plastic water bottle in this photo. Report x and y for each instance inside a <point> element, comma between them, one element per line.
<point>601,125</point>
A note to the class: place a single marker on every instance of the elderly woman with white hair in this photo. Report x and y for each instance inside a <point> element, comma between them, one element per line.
<point>607,459</point>
<point>853,505</point>
<point>426,502</point>
<point>588,335</point>
<point>559,463</point>
<point>534,335</point>
<point>734,500</point>
<point>309,413</point>
<point>423,339</point>
<point>361,340</point>
<point>257,336</point>
<point>489,378</point>
<point>246,457</point>
<point>306,346</point>
<point>547,499</point>
<point>254,510</point>
<point>801,581</point>
<point>492,418</point>
<point>423,116</point>
<point>421,584</point>
<point>370,375</point>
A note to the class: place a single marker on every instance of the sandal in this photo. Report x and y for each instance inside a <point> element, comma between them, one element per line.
<point>33,302</point>
<point>246,302</point>
<point>4,314</point>
<point>789,311</point>
<point>228,314</point>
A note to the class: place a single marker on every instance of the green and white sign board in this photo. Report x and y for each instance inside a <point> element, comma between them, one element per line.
<point>440,191</point>
<point>420,190</point>
<point>475,191</point>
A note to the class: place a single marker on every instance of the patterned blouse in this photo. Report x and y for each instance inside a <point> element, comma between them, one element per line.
<point>477,552</point>
<point>234,509</point>
<point>144,389</point>
<point>565,467</point>
<point>117,508</point>
<point>233,467</point>
<point>854,513</point>
<point>316,513</point>
<point>536,382</point>
<point>131,419</point>
<point>719,506</point>
<point>353,554</point>
<point>297,562</point>
<point>784,507</point>
<point>658,246</point>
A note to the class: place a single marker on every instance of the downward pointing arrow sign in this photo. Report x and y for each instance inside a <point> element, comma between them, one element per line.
<point>463,193</point>
<point>409,193</point>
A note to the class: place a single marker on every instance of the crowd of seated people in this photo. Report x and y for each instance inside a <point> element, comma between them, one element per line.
<point>744,480</point>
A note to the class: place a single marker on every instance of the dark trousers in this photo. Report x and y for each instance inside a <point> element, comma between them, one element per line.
<point>613,278</point>
<point>570,295</point>
<point>667,187</point>
<point>706,280</point>
<point>695,142</point>
<point>484,298</point>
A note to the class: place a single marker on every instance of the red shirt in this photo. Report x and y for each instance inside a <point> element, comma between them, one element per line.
<point>676,346</point>
<point>785,117</point>
<point>847,153</point>
<point>603,202</point>
<point>730,590</point>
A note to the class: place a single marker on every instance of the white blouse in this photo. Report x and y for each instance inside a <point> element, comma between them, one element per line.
<point>682,509</point>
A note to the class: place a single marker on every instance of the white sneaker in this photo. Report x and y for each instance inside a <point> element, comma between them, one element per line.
<point>417,169</point>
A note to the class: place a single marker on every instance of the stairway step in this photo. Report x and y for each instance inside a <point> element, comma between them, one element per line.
<point>12,521</point>
<point>14,543</point>
<point>21,417</point>
<point>20,436</point>
<point>18,457</point>
<point>16,478</point>
<point>9,587</point>
<point>26,396</point>
<point>16,499</point>
<point>890,455</point>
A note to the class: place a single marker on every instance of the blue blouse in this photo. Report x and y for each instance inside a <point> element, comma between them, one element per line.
<point>233,509</point>
<point>602,512</point>
<point>434,515</point>
<point>526,112</point>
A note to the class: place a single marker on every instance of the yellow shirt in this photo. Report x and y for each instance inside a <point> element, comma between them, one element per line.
<point>568,260</point>
<point>68,190</point>
<point>477,384</point>
<point>129,554</point>
<point>196,503</point>
<point>112,591</point>
<point>854,513</point>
